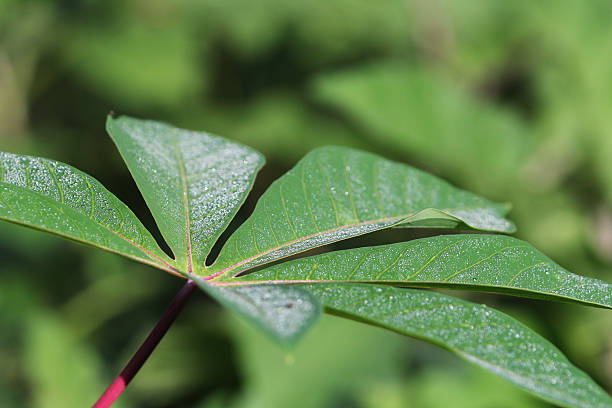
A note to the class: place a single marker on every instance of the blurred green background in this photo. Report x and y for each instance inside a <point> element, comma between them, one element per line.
<point>512,100</point>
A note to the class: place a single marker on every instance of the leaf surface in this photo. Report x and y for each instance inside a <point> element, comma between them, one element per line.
<point>192,182</point>
<point>54,197</point>
<point>492,263</point>
<point>335,193</point>
<point>285,313</point>
<point>477,333</point>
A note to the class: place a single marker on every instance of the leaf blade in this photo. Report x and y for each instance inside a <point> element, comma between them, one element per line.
<point>479,334</point>
<point>492,263</point>
<point>54,197</point>
<point>192,182</point>
<point>335,193</point>
<point>282,312</point>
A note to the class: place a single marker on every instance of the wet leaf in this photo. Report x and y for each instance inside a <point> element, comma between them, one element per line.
<point>477,333</point>
<point>192,182</point>
<point>283,312</point>
<point>491,263</point>
<point>57,198</point>
<point>336,193</point>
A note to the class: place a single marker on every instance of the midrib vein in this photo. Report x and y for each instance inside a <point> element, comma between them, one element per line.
<point>183,177</point>
<point>391,220</point>
<point>155,258</point>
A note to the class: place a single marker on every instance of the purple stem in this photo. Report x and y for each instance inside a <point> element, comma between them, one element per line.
<point>118,385</point>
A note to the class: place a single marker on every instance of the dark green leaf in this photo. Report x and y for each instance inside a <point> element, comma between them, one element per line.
<point>54,197</point>
<point>335,193</point>
<point>476,333</point>
<point>493,263</point>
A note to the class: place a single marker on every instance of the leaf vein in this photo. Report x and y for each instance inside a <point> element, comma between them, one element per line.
<point>449,277</point>
<point>516,275</point>
<point>435,256</point>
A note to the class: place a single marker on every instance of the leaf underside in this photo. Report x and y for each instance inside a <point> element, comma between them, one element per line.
<point>194,184</point>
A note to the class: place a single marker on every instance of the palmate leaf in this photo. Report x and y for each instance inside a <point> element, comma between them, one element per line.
<point>56,198</point>
<point>336,193</point>
<point>477,333</point>
<point>492,263</point>
<point>192,182</point>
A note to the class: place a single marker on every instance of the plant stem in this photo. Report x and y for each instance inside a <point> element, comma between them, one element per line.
<point>142,354</point>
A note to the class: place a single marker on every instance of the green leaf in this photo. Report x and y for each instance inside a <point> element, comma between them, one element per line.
<point>477,333</point>
<point>192,182</point>
<point>57,198</point>
<point>136,63</point>
<point>335,193</point>
<point>254,29</point>
<point>285,313</point>
<point>492,263</point>
<point>428,117</point>
<point>62,369</point>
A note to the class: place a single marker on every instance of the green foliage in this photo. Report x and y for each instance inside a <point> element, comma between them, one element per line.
<point>338,193</point>
<point>255,72</point>
<point>494,263</point>
<point>66,370</point>
<point>477,333</point>
<point>139,55</point>
<point>57,198</point>
<point>321,42</point>
<point>194,184</point>
<point>424,114</point>
<point>284,312</point>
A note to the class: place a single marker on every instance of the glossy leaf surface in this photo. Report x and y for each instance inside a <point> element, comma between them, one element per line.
<point>284,312</point>
<point>57,198</point>
<point>493,263</point>
<point>192,182</point>
<point>335,193</point>
<point>476,333</point>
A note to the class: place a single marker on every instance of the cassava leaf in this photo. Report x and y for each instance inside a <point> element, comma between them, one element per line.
<point>335,193</point>
<point>57,198</point>
<point>492,263</point>
<point>477,333</point>
<point>285,313</point>
<point>192,182</point>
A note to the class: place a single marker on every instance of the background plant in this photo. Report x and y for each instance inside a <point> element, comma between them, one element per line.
<point>534,73</point>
